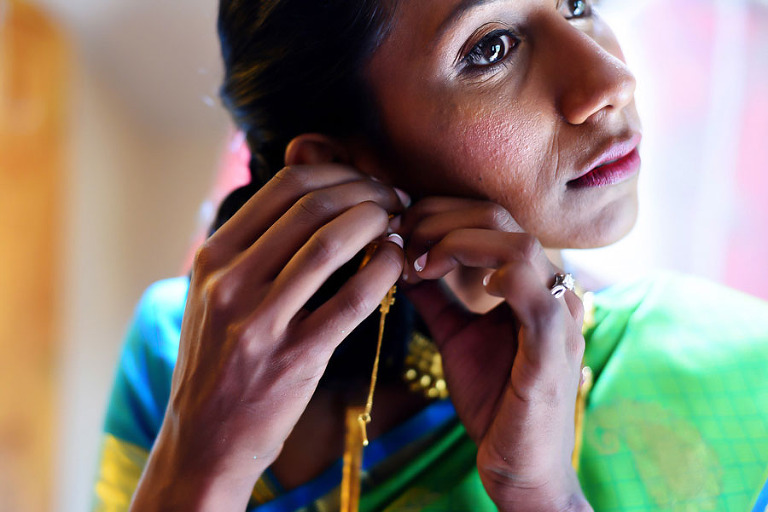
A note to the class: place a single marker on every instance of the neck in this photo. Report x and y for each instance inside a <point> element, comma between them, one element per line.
<point>317,440</point>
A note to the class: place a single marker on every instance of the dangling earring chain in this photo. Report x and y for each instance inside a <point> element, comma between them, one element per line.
<point>365,417</point>
<point>358,418</point>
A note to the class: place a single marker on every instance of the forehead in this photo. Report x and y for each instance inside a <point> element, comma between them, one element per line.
<point>421,28</point>
<point>432,17</point>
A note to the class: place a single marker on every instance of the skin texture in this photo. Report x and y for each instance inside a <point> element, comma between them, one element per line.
<point>488,159</point>
<point>517,133</point>
<point>250,357</point>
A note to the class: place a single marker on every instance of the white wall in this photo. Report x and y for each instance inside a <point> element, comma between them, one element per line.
<point>145,142</point>
<point>132,207</point>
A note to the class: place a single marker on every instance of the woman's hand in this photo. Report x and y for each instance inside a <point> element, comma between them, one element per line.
<point>251,356</point>
<point>513,373</point>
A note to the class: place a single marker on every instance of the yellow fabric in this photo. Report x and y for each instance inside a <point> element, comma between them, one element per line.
<point>120,469</point>
<point>262,492</point>
<point>119,472</point>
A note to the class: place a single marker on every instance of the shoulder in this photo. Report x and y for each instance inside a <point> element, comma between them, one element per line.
<point>669,297</point>
<point>142,383</point>
<point>158,316</point>
<point>674,313</point>
<point>679,374</point>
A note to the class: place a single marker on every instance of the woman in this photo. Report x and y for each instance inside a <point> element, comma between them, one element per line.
<point>470,139</point>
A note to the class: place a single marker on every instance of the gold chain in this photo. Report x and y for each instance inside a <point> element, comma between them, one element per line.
<point>358,418</point>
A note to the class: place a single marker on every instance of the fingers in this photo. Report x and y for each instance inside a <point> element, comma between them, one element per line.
<point>575,307</point>
<point>327,250</point>
<point>487,213</point>
<point>528,296</point>
<point>550,342</point>
<point>263,260</point>
<point>482,248</point>
<point>288,186</point>
<point>359,296</point>
<point>431,219</point>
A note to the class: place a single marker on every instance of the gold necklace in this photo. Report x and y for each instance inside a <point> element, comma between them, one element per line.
<point>357,418</point>
<point>428,379</point>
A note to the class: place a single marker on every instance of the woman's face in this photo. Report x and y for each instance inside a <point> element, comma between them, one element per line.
<point>513,101</point>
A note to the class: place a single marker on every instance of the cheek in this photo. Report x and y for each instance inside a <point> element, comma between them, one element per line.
<point>501,154</point>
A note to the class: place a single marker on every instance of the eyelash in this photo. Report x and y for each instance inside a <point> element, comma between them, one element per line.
<point>472,59</point>
<point>587,6</point>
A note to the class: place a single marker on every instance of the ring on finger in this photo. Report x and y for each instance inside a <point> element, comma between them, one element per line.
<point>563,282</point>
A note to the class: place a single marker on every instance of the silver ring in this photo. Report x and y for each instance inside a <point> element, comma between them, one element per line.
<point>563,282</point>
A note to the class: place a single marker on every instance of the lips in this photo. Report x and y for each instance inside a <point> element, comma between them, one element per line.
<point>618,163</point>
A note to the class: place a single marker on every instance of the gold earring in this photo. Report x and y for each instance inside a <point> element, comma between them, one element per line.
<point>358,418</point>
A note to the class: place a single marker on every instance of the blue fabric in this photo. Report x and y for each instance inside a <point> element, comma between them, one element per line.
<point>142,388</point>
<point>426,421</point>
<point>761,505</point>
<point>142,383</point>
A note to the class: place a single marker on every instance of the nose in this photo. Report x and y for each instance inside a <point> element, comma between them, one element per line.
<point>589,78</point>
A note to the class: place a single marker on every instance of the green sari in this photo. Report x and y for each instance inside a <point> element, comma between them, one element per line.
<point>677,419</point>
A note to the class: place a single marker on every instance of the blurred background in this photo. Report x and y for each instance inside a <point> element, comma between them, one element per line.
<point>114,151</point>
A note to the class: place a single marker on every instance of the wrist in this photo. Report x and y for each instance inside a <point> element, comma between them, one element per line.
<point>560,491</point>
<point>180,476</point>
<point>573,502</point>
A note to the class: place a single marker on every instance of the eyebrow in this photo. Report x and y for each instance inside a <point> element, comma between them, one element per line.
<point>458,12</point>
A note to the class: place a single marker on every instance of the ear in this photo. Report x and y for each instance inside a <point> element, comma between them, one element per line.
<point>313,149</point>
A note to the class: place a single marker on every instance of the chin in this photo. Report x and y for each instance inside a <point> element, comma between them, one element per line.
<point>613,225</point>
<point>609,225</point>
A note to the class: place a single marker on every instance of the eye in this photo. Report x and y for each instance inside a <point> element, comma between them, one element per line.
<point>576,8</point>
<point>492,48</point>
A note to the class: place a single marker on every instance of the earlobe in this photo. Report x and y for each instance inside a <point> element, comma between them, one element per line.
<point>314,149</point>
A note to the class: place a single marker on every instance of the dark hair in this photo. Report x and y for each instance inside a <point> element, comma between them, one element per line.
<point>292,67</point>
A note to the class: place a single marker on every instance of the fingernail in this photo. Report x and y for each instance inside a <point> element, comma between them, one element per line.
<point>395,239</point>
<point>420,262</point>
<point>404,276</point>
<point>404,197</point>
<point>486,280</point>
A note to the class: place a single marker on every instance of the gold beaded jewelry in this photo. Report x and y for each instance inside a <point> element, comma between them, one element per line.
<point>424,372</point>
<point>424,368</point>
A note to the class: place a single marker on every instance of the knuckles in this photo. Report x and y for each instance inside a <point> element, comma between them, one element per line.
<point>205,260</point>
<point>294,178</point>
<point>358,303</point>
<point>323,248</point>
<point>219,295</point>
<point>373,214</point>
<point>318,204</point>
